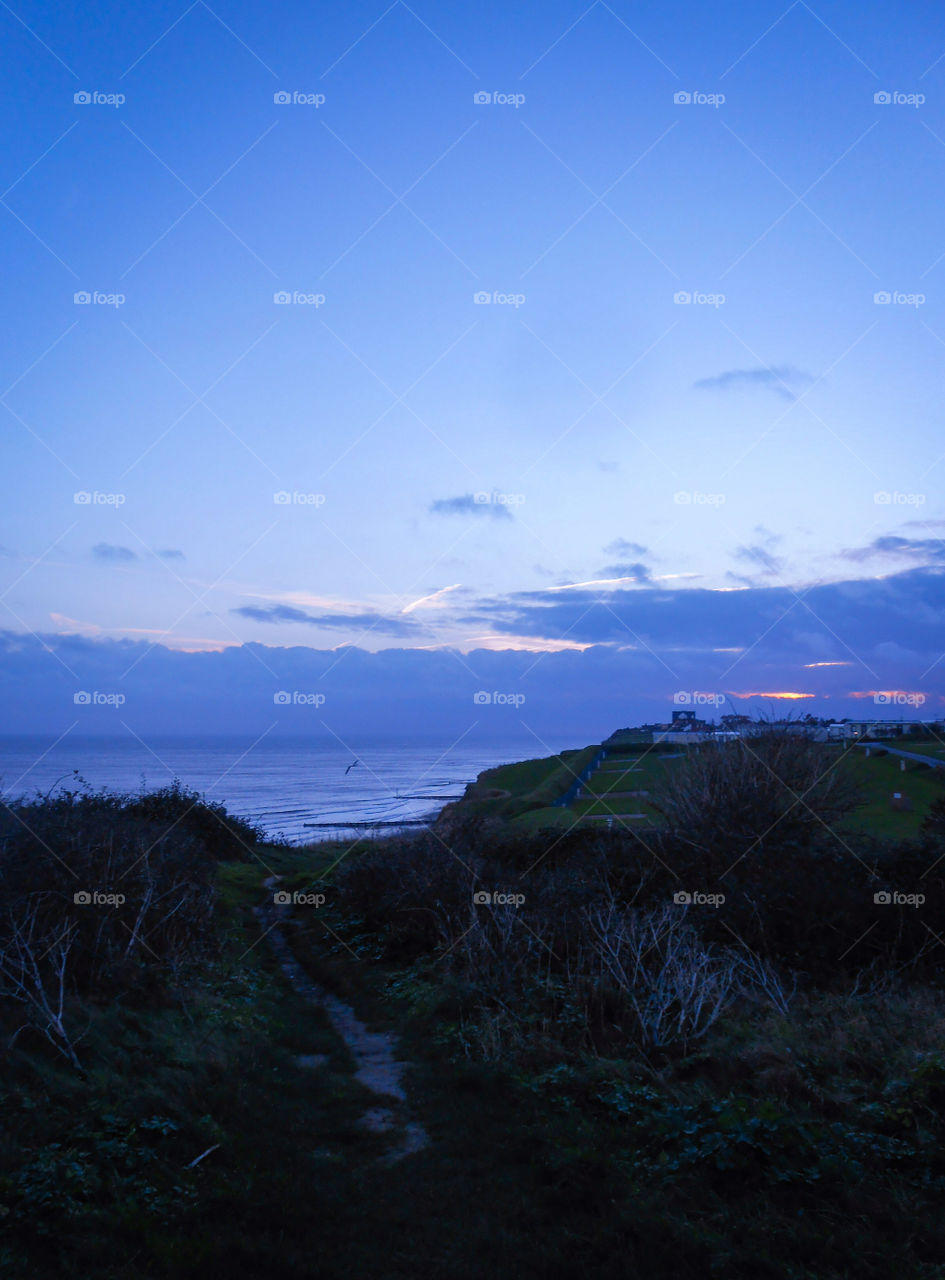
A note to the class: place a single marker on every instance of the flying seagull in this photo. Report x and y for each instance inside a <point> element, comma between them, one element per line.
<point>351,766</point>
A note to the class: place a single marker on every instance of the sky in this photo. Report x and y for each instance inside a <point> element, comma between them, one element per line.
<point>588,355</point>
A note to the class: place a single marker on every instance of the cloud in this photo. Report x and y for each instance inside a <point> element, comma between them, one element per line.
<point>635,570</point>
<point>468,506</point>
<point>623,547</point>
<point>398,626</point>
<point>626,566</point>
<point>760,554</point>
<point>171,555</point>
<point>431,601</point>
<point>640,648</point>
<point>871,622</point>
<point>778,378</point>
<point>892,546</point>
<point>111,554</point>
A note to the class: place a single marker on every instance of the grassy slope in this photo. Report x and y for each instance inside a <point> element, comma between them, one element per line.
<point>531,1174</point>
<point>105,1190</point>
<point>545,1171</point>
<point>879,776</point>
<point>516,791</point>
<point>295,1188</point>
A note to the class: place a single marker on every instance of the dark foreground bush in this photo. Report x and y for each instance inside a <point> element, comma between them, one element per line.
<point>102,895</point>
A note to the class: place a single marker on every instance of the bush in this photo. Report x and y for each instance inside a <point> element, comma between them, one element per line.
<point>102,895</point>
<point>774,788</point>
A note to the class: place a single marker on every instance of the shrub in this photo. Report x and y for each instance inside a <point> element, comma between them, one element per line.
<point>101,895</point>
<point>775,788</point>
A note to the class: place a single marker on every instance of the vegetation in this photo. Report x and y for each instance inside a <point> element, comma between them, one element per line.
<point>514,790</point>
<point>709,1048</point>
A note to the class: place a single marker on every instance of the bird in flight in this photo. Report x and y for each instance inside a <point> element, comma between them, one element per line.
<point>351,766</point>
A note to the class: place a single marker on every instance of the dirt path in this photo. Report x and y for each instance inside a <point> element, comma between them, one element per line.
<point>377,1065</point>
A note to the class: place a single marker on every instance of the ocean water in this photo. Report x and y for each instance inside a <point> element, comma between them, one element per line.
<point>299,789</point>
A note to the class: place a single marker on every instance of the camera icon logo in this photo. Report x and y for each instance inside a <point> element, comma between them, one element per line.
<point>82,98</point>
<point>482,298</point>
<point>482,98</point>
<point>82,298</point>
<point>482,898</point>
<point>883,898</point>
<point>682,698</point>
<point>682,898</point>
<point>280,97</point>
<point>282,498</point>
<point>682,297</point>
<point>682,98</point>
<point>82,898</point>
<point>282,698</point>
<point>682,498</point>
<point>882,98</point>
<point>883,298</point>
<point>81,699</point>
<point>882,498</point>
<point>482,699</point>
<point>83,498</point>
<point>282,297</point>
<point>281,898</point>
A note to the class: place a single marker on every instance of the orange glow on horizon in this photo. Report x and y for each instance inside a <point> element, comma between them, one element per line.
<point>788,695</point>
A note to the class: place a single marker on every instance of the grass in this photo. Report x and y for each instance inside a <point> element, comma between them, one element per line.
<point>794,1142</point>
<point>552,817</point>
<point>880,776</point>
<point>95,1178</point>
<point>784,1145</point>
<point>628,770</point>
<point>511,791</point>
<point>621,773</point>
<point>919,746</point>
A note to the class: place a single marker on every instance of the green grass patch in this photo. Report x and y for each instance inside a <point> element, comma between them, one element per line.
<point>880,776</point>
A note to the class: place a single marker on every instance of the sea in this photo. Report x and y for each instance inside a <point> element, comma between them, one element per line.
<point>295,789</point>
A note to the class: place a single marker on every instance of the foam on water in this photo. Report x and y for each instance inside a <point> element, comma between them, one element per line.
<point>297,788</point>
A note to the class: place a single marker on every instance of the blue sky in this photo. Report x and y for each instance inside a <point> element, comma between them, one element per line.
<point>384,462</point>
